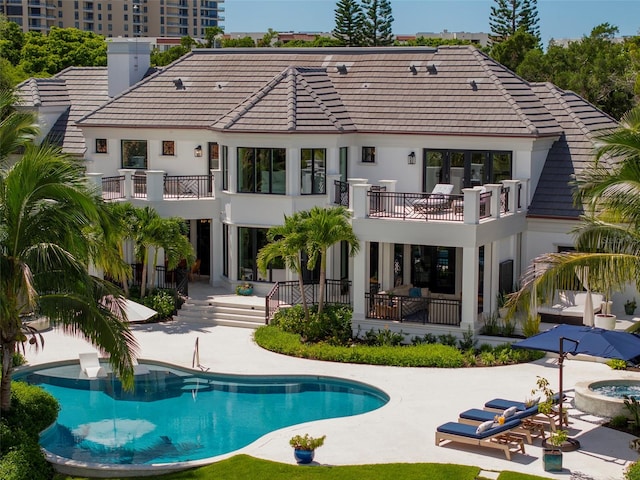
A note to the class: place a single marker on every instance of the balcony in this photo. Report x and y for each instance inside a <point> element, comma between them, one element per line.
<point>154,186</point>
<point>472,206</point>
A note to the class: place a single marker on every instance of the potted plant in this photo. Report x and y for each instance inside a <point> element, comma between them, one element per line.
<point>630,307</point>
<point>552,453</point>
<point>304,447</point>
<point>244,288</point>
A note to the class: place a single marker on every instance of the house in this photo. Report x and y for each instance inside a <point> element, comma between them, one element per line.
<point>233,139</point>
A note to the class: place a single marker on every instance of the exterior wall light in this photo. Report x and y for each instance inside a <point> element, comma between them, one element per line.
<point>412,158</point>
<point>197,152</point>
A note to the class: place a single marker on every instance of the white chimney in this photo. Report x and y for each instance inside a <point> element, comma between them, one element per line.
<point>128,59</point>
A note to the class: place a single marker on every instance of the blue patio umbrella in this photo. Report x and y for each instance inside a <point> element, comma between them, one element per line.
<point>583,340</point>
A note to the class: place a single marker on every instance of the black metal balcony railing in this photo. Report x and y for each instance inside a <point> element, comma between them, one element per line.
<point>337,292</point>
<point>188,186</point>
<point>423,310</point>
<point>113,188</point>
<point>341,193</point>
<point>181,186</point>
<point>416,206</point>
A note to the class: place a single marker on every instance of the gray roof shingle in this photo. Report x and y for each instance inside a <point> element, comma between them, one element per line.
<point>240,90</point>
<point>571,153</point>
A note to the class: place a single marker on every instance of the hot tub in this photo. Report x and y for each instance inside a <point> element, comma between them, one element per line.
<point>590,397</point>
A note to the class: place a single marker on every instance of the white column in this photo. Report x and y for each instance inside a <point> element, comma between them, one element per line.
<point>360,281</point>
<point>128,181</point>
<point>494,201</point>
<point>359,200</point>
<point>155,185</point>
<point>95,179</point>
<point>471,205</point>
<point>352,182</point>
<point>469,287</point>
<point>293,171</point>
<point>385,266</point>
<point>514,186</point>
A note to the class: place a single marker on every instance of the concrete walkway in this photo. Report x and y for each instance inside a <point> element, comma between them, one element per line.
<point>401,431</point>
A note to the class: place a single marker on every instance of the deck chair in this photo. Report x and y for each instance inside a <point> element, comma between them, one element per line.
<point>476,416</point>
<point>439,199</point>
<point>90,365</point>
<point>500,404</point>
<point>500,437</point>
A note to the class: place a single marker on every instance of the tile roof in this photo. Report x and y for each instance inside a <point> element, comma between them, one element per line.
<point>302,90</point>
<point>572,152</point>
<point>80,89</point>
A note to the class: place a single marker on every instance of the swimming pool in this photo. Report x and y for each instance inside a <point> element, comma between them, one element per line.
<point>176,415</point>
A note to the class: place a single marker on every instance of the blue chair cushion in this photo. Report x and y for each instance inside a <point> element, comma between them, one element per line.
<point>461,429</point>
<point>415,292</point>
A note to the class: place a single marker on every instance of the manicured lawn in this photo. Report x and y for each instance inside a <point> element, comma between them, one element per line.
<point>242,467</point>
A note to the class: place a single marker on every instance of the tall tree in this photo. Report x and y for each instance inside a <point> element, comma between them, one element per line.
<point>596,67</point>
<point>377,23</point>
<point>47,213</point>
<point>512,52</point>
<point>608,238</point>
<point>11,40</point>
<point>17,128</point>
<point>286,242</point>
<point>324,227</point>
<point>509,16</point>
<point>349,23</point>
<point>212,36</point>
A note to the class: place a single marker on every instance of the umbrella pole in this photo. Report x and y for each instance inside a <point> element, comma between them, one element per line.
<point>571,444</point>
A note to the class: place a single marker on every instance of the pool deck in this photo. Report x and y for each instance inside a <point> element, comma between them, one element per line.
<point>404,429</point>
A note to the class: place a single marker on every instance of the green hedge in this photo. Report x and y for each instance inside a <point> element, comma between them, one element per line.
<point>416,355</point>
<point>429,355</point>
<point>32,410</point>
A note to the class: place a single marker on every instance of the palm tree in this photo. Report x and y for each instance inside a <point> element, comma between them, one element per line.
<point>16,128</point>
<point>47,213</point>
<point>286,242</point>
<point>172,238</point>
<point>323,228</point>
<point>607,240</point>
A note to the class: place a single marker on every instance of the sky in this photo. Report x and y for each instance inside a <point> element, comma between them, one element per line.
<point>558,18</point>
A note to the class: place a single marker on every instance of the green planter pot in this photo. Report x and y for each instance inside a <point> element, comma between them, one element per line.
<point>244,291</point>
<point>552,460</point>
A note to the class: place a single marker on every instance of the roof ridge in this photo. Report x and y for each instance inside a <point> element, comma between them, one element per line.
<point>251,101</point>
<point>35,92</point>
<point>318,101</point>
<point>484,62</point>
<point>292,101</point>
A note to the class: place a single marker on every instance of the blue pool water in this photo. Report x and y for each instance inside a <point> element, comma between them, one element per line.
<point>618,390</point>
<point>176,416</point>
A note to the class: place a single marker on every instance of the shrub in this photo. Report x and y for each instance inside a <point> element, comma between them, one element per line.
<point>617,364</point>
<point>32,409</point>
<point>383,338</point>
<point>10,438</point>
<point>25,463</point>
<point>18,359</point>
<point>162,301</point>
<point>468,341</point>
<point>491,325</point>
<point>333,326</point>
<point>531,325</point>
<point>448,339</point>
<point>633,471</point>
<point>426,338</point>
<point>619,421</point>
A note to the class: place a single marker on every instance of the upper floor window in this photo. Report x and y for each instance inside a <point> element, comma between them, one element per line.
<point>368,154</point>
<point>312,170</point>
<point>134,154</point>
<point>465,168</point>
<point>168,147</point>
<point>262,170</point>
<point>214,156</point>
<point>101,145</point>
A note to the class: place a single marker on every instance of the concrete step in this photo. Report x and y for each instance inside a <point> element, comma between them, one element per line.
<point>224,311</point>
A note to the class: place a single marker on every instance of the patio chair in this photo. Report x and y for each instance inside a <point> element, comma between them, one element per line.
<point>498,405</point>
<point>90,365</point>
<point>500,437</point>
<point>439,199</point>
<point>476,416</point>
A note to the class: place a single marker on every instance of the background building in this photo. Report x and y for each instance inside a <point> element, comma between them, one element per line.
<point>117,18</point>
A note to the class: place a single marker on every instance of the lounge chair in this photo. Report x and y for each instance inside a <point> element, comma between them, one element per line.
<point>439,199</point>
<point>90,365</point>
<point>498,405</point>
<point>500,437</point>
<point>529,425</point>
